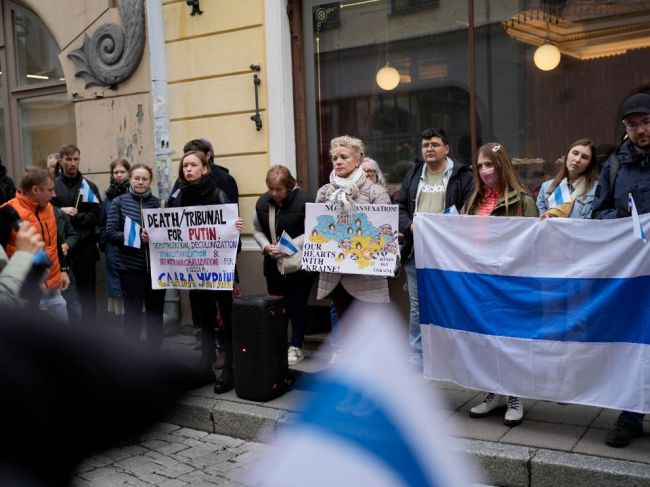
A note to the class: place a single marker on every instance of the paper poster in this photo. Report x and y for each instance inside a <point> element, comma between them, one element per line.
<point>364,242</point>
<point>193,247</point>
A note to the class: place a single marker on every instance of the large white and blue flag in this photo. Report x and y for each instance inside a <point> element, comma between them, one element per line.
<point>561,194</point>
<point>86,193</point>
<point>557,309</point>
<point>132,231</point>
<point>638,228</point>
<point>287,245</point>
<point>367,421</point>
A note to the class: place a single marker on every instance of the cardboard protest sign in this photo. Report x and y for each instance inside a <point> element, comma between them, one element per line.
<point>193,247</point>
<point>364,242</point>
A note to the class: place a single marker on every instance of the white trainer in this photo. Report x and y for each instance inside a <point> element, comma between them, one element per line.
<point>491,403</point>
<point>295,355</point>
<point>515,412</point>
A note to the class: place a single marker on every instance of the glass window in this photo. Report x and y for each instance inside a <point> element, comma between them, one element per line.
<point>537,114</point>
<point>46,122</point>
<point>36,51</point>
<point>428,50</point>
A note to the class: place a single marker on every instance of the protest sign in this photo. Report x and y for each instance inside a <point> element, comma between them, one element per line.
<point>194,247</point>
<point>363,242</point>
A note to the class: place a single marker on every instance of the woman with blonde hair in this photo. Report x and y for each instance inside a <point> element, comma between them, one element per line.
<point>498,192</point>
<point>349,186</point>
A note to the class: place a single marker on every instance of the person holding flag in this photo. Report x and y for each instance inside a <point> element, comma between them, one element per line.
<point>79,199</point>
<point>284,206</point>
<point>124,228</point>
<point>625,176</point>
<point>498,192</point>
<point>571,192</point>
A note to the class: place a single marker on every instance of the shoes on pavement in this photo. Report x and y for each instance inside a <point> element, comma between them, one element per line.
<point>622,433</point>
<point>295,355</point>
<point>491,403</point>
<point>225,382</point>
<point>514,412</point>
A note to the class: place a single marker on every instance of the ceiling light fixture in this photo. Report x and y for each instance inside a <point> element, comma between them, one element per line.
<point>547,56</point>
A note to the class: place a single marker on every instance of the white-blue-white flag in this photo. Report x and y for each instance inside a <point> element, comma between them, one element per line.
<point>561,194</point>
<point>557,309</point>
<point>452,210</point>
<point>132,233</point>
<point>369,421</point>
<point>638,228</point>
<point>86,192</point>
<point>287,245</point>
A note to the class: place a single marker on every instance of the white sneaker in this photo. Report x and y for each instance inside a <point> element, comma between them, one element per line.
<point>491,403</point>
<point>295,355</point>
<point>515,411</point>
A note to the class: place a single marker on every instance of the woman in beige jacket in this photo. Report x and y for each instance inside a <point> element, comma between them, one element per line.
<point>349,186</point>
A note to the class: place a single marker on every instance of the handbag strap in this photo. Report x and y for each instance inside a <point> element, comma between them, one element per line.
<point>272,224</point>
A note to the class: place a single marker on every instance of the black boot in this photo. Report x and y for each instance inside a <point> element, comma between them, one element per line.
<point>225,382</point>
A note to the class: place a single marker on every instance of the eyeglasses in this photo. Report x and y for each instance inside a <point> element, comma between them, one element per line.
<point>633,125</point>
<point>139,179</point>
<point>434,145</point>
<point>370,171</point>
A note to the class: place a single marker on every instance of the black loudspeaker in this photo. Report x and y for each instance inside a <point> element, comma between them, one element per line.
<point>259,340</point>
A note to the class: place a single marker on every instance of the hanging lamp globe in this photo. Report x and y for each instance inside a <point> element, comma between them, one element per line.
<point>547,57</point>
<point>387,78</point>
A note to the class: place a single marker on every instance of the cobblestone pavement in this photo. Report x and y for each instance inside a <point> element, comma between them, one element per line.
<point>171,456</point>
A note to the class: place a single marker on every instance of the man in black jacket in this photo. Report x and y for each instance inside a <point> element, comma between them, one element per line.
<point>431,186</point>
<point>627,171</point>
<point>84,216</point>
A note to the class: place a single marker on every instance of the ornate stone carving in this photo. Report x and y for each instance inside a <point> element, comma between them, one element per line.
<point>113,53</point>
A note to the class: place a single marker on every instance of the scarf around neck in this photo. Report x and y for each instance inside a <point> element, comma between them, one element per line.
<point>346,190</point>
<point>198,193</point>
<point>139,196</point>
<point>116,189</point>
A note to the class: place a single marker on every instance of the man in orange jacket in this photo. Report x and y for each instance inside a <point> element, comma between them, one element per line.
<point>32,204</point>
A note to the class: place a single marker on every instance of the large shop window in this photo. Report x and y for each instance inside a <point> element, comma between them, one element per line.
<point>39,118</point>
<point>535,114</point>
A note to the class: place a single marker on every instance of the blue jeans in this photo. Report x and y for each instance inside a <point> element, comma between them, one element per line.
<point>55,306</point>
<point>415,338</point>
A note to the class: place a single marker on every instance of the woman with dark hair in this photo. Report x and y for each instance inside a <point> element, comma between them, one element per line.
<point>132,264</point>
<point>283,205</point>
<point>579,174</point>
<point>498,192</point>
<point>198,188</point>
<point>119,185</point>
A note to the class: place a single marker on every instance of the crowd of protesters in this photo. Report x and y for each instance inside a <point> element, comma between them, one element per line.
<point>56,219</point>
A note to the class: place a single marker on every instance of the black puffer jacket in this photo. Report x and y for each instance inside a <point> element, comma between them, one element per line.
<point>131,205</point>
<point>290,217</point>
<point>633,176</point>
<point>203,192</point>
<point>459,188</point>
<point>86,221</point>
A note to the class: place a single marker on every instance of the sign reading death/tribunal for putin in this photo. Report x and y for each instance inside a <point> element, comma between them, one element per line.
<point>362,242</point>
<point>193,247</point>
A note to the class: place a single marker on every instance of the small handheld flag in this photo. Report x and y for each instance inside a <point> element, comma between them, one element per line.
<point>452,210</point>
<point>287,245</point>
<point>131,233</point>
<point>638,229</point>
<point>561,194</point>
<point>86,193</point>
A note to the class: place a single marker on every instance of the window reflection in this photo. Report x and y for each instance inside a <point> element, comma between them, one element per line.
<point>46,122</point>
<point>35,49</point>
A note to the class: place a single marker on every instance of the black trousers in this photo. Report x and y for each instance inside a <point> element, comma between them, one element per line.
<point>136,291</point>
<point>295,288</point>
<point>84,257</point>
<point>204,305</point>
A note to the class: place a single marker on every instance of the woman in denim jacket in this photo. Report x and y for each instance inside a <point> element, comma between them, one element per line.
<point>580,170</point>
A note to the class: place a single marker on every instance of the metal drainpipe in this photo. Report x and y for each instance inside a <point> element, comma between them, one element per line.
<point>155,30</point>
